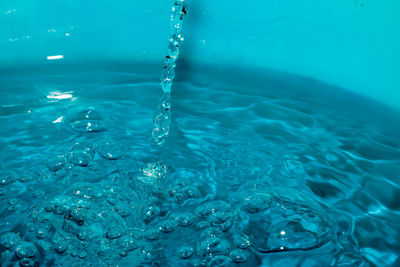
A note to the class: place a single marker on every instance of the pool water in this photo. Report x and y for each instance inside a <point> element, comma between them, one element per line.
<point>259,169</point>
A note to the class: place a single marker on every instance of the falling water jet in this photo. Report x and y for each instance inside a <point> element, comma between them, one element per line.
<point>162,117</point>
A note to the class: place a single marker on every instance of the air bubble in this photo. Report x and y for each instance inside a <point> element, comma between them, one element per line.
<point>77,215</point>
<point>239,255</point>
<point>153,172</point>
<point>9,240</point>
<point>213,246</point>
<point>123,253</point>
<point>220,261</point>
<point>205,210</point>
<point>242,241</point>
<point>8,177</point>
<point>184,219</point>
<point>129,243</point>
<point>88,120</point>
<point>109,150</point>
<point>287,226</point>
<point>257,202</point>
<point>57,163</point>
<point>113,232</point>
<point>221,220</point>
<point>27,262</point>
<point>25,250</point>
<point>152,234</point>
<point>60,244</point>
<point>185,252</point>
<point>151,212</point>
<point>42,233</point>
<point>167,226</point>
<point>80,158</point>
<point>211,232</point>
<point>83,147</point>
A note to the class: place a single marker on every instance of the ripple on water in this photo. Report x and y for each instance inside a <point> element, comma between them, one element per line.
<point>283,225</point>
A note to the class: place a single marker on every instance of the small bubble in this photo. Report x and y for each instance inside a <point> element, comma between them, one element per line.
<point>123,253</point>
<point>239,255</point>
<point>211,232</point>
<point>113,232</point>
<point>152,234</point>
<point>60,244</point>
<point>27,262</point>
<point>185,252</point>
<point>220,261</point>
<point>42,233</point>
<point>167,226</point>
<point>57,163</point>
<point>8,177</point>
<point>213,246</point>
<point>83,147</point>
<point>80,158</point>
<point>129,243</point>
<point>241,241</point>
<point>9,240</point>
<point>77,215</point>
<point>25,250</point>
<point>183,219</point>
<point>257,202</point>
<point>151,212</point>
<point>109,150</point>
<point>88,120</point>
<point>221,220</point>
<point>205,210</point>
<point>83,254</point>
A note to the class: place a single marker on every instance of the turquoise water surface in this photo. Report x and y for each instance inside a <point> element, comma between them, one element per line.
<point>260,168</point>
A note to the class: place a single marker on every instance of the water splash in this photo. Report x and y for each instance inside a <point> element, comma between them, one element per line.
<point>162,117</point>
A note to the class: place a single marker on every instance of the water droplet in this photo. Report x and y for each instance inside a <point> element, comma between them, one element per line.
<point>185,252</point>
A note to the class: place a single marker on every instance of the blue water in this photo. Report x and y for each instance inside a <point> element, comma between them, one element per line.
<point>259,169</point>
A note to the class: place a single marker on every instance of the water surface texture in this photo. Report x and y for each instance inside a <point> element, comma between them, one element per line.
<point>259,169</point>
